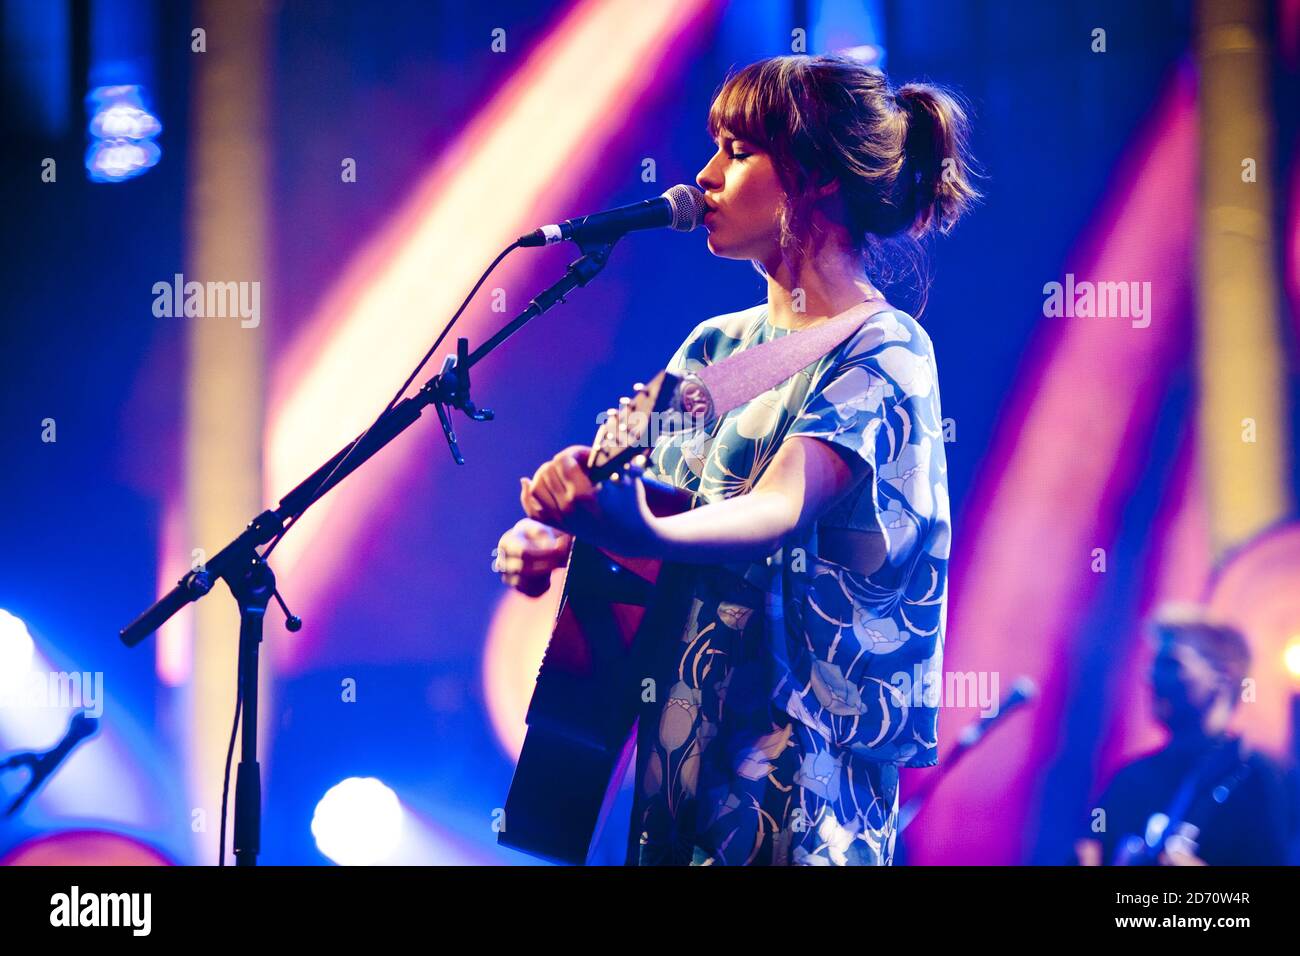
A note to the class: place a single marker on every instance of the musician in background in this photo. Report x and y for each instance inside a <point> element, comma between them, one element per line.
<point>1204,798</point>
<point>818,535</point>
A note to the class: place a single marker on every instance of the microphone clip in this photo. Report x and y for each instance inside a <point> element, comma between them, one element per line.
<point>450,387</point>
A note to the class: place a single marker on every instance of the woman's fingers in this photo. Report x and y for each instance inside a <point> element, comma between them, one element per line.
<point>528,564</point>
<point>543,489</point>
<point>532,585</point>
<point>550,494</point>
<point>535,503</point>
<point>565,489</point>
<point>537,534</point>
<point>555,491</point>
<point>531,548</point>
<point>528,553</point>
<point>527,573</point>
<point>577,479</point>
<point>578,453</point>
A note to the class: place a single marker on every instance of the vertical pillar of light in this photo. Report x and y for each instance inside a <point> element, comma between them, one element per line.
<point>382,311</point>
<point>850,29</point>
<point>1240,358</point>
<point>1032,522</point>
<point>223,463</point>
<point>36,40</point>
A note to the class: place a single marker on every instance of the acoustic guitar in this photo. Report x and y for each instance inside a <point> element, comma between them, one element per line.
<point>612,608</point>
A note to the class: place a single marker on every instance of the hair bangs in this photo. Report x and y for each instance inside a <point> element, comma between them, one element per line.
<point>747,104</point>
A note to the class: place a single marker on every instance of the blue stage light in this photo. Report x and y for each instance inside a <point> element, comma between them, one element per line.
<point>111,161</point>
<point>122,131</point>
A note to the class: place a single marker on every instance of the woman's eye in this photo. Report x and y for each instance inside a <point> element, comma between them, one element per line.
<point>740,155</point>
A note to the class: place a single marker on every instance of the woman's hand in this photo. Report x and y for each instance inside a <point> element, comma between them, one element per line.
<point>528,553</point>
<point>614,516</point>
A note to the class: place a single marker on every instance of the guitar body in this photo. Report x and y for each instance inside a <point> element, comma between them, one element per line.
<point>581,721</point>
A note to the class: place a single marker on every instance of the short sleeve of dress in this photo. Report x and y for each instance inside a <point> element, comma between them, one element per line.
<point>865,601</point>
<point>847,405</point>
<point>677,364</point>
<point>690,355</point>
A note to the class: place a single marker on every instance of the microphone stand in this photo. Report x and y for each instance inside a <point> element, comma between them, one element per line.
<point>251,580</point>
<point>971,736</point>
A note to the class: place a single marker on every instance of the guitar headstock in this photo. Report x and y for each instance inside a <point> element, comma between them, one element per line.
<point>634,426</point>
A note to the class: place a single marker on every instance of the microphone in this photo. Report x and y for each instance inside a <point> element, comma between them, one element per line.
<point>681,208</point>
<point>1023,691</point>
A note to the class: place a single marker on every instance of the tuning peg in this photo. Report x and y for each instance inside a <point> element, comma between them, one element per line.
<point>638,386</point>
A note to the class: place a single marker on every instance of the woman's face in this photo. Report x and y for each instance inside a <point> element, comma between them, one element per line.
<point>745,198</point>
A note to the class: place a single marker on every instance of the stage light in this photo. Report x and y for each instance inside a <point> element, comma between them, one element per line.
<point>108,779</point>
<point>120,114</point>
<point>868,53</point>
<point>855,30</point>
<point>1291,656</point>
<point>358,822</point>
<point>114,161</point>
<point>16,646</point>
<point>122,132</point>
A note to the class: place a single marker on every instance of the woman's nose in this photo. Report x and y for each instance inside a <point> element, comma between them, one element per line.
<point>707,181</point>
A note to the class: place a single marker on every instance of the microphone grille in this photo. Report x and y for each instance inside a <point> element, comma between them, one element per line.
<point>687,204</point>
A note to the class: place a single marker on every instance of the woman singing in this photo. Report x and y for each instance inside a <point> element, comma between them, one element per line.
<point>808,671</point>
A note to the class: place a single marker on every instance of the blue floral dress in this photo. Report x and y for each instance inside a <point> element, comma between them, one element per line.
<point>800,685</point>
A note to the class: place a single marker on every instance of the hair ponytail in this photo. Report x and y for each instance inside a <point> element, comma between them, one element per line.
<point>937,165</point>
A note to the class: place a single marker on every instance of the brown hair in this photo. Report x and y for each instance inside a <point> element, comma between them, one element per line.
<point>1221,644</point>
<point>900,155</point>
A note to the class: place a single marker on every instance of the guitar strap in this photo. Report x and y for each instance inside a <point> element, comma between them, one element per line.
<point>1208,764</point>
<point>716,389</point>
